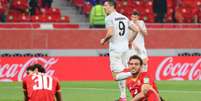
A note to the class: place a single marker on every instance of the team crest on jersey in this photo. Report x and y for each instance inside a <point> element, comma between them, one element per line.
<point>146,80</point>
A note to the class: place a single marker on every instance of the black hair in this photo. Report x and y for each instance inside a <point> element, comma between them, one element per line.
<point>136,13</point>
<point>136,57</point>
<point>30,68</point>
<point>40,68</point>
<point>110,3</point>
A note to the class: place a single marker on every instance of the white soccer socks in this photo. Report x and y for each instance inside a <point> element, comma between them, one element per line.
<point>123,75</point>
<point>122,88</point>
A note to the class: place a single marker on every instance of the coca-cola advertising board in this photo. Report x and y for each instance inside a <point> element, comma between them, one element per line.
<point>175,68</point>
<point>97,68</point>
<point>64,68</point>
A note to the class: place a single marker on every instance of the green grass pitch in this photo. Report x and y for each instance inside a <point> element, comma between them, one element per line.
<point>108,91</point>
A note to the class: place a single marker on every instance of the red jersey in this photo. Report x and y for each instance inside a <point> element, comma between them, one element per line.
<point>134,86</point>
<point>40,87</point>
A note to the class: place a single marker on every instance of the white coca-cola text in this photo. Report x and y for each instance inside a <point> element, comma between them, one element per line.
<point>168,69</point>
<point>9,71</point>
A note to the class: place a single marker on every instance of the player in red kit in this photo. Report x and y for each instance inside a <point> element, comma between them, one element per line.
<point>40,87</point>
<point>141,87</point>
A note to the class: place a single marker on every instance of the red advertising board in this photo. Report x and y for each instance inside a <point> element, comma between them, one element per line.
<point>65,68</point>
<point>97,68</point>
<point>175,68</point>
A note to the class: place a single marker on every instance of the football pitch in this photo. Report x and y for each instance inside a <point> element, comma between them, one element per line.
<point>107,91</point>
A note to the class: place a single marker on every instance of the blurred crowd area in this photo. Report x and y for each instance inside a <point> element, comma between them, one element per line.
<point>30,11</point>
<point>152,11</point>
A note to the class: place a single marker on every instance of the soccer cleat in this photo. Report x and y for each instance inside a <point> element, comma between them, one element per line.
<point>121,99</point>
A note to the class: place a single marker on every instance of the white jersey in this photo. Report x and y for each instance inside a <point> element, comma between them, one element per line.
<point>139,41</point>
<point>120,24</point>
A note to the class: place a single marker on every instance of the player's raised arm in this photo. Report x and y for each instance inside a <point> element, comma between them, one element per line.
<point>135,19</point>
<point>131,37</point>
<point>142,29</point>
<point>133,33</point>
<point>134,28</point>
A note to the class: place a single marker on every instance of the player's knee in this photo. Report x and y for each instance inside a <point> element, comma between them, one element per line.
<point>114,75</point>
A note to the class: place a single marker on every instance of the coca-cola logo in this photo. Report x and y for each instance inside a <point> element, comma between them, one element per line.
<point>8,71</point>
<point>168,69</point>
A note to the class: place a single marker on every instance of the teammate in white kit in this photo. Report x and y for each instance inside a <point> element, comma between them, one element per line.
<point>137,40</point>
<point>117,26</point>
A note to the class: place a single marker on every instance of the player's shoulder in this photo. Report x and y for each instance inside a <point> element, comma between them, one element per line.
<point>144,74</point>
<point>107,17</point>
<point>141,21</point>
<point>146,78</point>
<point>55,78</point>
<point>117,14</point>
<point>124,16</point>
<point>111,16</point>
<point>25,78</point>
<point>129,80</point>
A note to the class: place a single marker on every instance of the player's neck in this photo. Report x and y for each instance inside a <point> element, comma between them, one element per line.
<point>135,21</point>
<point>136,76</point>
<point>112,11</point>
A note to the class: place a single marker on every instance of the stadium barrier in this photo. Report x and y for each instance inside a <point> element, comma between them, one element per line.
<point>97,68</point>
<point>89,39</point>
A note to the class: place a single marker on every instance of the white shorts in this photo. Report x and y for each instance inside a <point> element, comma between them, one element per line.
<point>141,52</point>
<point>118,61</point>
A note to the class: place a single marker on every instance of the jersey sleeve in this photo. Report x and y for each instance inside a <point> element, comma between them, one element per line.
<point>108,22</point>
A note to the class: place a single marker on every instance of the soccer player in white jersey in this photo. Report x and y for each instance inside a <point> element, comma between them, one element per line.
<point>137,40</point>
<point>117,26</point>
